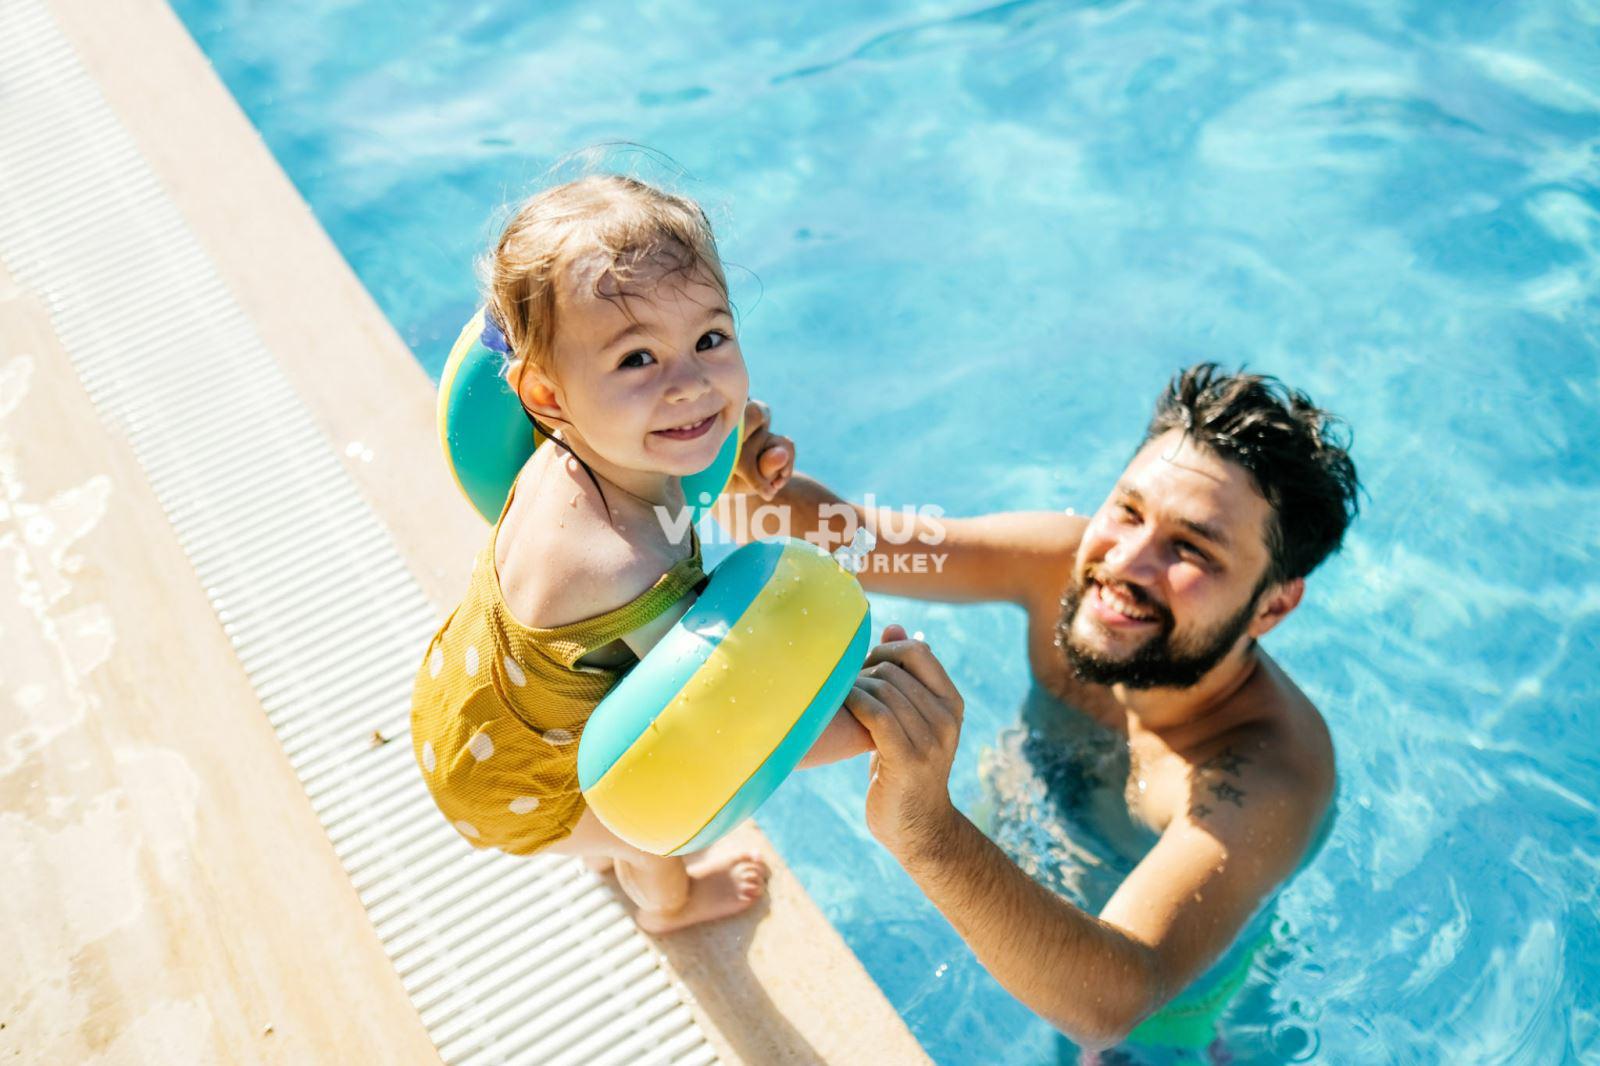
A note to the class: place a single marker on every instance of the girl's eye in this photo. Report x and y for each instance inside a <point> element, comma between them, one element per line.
<point>714,338</point>
<point>636,359</point>
<point>1129,513</point>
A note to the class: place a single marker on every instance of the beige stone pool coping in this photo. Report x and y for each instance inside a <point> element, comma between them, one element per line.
<point>205,973</point>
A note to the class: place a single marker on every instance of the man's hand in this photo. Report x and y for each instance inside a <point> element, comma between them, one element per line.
<point>906,701</point>
<point>766,460</point>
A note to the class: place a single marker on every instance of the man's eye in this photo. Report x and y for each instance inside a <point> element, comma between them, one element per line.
<point>636,359</point>
<point>712,338</point>
<point>1194,553</point>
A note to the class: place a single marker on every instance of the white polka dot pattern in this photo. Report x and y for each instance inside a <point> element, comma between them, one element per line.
<point>436,662</point>
<point>428,759</point>
<point>481,746</point>
<point>557,737</point>
<point>468,830</point>
<point>514,672</point>
<point>524,804</point>
<point>470,662</point>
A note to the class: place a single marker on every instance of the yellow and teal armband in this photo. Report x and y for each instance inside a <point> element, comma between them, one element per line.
<point>716,715</point>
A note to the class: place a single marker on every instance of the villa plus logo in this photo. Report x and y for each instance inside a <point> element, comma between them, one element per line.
<point>864,539</point>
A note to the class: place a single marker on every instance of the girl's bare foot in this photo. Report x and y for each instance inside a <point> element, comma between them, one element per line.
<point>600,864</point>
<point>723,880</point>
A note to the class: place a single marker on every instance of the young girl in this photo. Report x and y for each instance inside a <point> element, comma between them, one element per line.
<point>614,307</point>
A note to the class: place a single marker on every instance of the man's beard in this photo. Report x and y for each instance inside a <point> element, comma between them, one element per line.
<point>1159,662</point>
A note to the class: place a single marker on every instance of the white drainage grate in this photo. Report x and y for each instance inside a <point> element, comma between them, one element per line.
<point>507,960</point>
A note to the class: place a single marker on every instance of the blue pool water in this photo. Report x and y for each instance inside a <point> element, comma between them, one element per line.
<point>970,244</point>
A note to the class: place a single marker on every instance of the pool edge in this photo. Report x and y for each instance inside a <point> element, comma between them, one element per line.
<point>777,988</point>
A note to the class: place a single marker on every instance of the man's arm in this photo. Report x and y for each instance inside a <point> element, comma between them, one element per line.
<point>1007,556</point>
<point>1010,556</point>
<point>1081,974</point>
<point>1096,978</point>
<point>1093,978</point>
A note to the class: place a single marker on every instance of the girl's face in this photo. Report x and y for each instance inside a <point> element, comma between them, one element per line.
<point>648,372</point>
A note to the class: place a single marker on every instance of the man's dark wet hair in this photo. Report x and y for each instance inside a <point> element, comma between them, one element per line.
<point>1297,453</point>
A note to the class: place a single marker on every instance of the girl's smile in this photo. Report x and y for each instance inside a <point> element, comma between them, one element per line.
<point>690,430</point>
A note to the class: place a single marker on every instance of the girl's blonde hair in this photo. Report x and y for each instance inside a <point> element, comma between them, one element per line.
<point>623,221</point>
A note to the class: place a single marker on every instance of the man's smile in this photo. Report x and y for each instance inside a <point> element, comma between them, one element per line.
<point>1116,607</point>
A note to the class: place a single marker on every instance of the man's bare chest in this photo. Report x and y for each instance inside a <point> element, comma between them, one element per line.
<point>1140,781</point>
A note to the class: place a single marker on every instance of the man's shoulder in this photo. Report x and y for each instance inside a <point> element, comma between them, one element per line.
<point>1043,544</point>
<point>1296,732</point>
<point>1275,769</point>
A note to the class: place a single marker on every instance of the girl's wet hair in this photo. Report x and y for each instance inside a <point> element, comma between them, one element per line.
<point>621,222</point>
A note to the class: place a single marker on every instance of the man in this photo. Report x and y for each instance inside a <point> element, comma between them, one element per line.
<point>1145,619</point>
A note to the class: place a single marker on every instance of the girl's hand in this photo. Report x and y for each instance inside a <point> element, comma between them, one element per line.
<point>766,460</point>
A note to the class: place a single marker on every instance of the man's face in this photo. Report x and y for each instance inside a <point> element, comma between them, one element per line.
<point>1168,578</point>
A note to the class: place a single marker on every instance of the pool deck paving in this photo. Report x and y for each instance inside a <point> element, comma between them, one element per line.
<point>171,895</point>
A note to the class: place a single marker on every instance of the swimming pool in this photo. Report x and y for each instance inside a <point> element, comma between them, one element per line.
<point>985,236</point>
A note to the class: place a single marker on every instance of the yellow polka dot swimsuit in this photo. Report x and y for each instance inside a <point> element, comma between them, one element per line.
<point>498,707</point>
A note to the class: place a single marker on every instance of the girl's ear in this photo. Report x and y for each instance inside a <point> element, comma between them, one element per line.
<point>537,391</point>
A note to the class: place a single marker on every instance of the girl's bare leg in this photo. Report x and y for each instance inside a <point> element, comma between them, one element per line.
<point>670,893</point>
